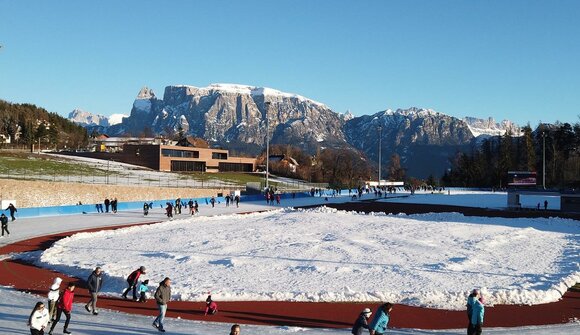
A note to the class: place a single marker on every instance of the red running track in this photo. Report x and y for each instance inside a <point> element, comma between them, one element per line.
<point>29,278</point>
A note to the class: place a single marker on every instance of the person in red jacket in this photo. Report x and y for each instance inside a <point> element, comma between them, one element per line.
<point>132,281</point>
<point>65,304</point>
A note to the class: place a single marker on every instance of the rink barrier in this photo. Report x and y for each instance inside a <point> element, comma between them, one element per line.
<point>31,212</point>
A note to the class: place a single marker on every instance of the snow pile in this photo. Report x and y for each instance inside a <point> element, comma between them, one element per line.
<point>327,255</point>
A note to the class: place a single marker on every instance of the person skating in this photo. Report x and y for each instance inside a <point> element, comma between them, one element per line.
<point>477,316</point>
<point>64,306</point>
<point>132,281</point>
<point>94,284</point>
<point>212,201</point>
<point>53,296</point>
<point>211,306</point>
<point>196,206</point>
<point>4,222</point>
<point>107,203</point>
<point>237,200</point>
<point>12,210</point>
<point>381,320</point>
<point>38,319</point>
<point>114,203</point>
<point>169,210</point>
<point>143,289</point>
<point>162,297</point>
<point>362,322</point>
<point>145,209</point>
<point>470,302</point>
<point>190,206</point>
<point>235,330</point>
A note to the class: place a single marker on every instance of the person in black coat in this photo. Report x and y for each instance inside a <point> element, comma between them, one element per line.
<point>12,210</point>
<point>94,284</point>
<point>362,322</point>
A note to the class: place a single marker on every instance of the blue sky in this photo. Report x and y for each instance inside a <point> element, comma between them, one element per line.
<point>517,60</point>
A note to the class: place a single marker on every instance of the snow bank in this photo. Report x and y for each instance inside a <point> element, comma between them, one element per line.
<point>327,255</point>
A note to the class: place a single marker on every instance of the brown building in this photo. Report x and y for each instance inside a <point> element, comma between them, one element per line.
<point>177,158</point>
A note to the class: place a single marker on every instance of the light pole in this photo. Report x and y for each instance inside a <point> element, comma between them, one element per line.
<point>380,129</point>
<point>544,160</point>
<point>267,107</point>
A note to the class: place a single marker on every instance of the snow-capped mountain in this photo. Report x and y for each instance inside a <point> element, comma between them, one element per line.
<point>489,127</point>
<point>235,116</point>
<point>423,138</point>
<point>87,118</point>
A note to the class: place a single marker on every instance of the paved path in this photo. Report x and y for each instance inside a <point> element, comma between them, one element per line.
<point>26,277</point>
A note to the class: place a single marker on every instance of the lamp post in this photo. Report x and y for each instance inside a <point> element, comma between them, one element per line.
<point>380,129</point>
<point>267,107</point>
<point>544,160</point>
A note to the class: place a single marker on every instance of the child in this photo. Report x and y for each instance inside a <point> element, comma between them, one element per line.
<point>143,290</point>
<point>210,305</point>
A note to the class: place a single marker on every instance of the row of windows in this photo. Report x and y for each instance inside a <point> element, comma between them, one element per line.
<point>187,166</point>
<point>235,167</point>
<point>191,154</point>
<point>179,153</point>
<point>219,155</point>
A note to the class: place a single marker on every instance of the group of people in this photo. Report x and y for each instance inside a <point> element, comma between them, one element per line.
<point>4,219</point>
<point>109,204</point>
<point>378,325</point>
<point>61,303</point>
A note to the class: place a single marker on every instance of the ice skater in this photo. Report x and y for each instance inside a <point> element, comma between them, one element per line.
<point>94,283</point>
<point>362,322</point>
<point>235,330</point>
<point>132,281</point>
<point>65,305</point>
<point>211,306</point>
<point>381,320</point>
<point>143,290</point>
<point>4,222</point>
<point>53,296</point>
<point>13,210</point>
<point>38,319</point>
<point>162,297</point>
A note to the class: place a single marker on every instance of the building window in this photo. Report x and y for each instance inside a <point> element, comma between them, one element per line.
<point>219,155</point>
<point>187,166</point>
<point>179,153</point>
<point>235,167</point>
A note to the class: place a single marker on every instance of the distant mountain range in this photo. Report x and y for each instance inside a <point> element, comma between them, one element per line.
<point>234,117</point>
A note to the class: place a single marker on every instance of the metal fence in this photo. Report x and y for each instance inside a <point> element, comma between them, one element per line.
<point>157,179</point>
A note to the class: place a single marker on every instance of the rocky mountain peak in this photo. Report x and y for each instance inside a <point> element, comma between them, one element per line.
<point>146,93</point>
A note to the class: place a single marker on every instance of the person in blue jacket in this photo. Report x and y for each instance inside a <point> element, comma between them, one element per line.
<point>470,301</point>
<point>477,316</point>
<point>381,320</point>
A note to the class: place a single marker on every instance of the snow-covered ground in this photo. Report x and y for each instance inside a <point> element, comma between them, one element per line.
<point>468,238</point>
<point>322,254</point>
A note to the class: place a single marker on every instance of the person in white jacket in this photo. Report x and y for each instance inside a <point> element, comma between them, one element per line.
<point>38,320</point>
<point>53,295</point>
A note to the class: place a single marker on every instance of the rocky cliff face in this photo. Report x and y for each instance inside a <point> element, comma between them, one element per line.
<point>87,118</point>
<point>488,127</point>
<point>235,116</point>
<point>424,139</point>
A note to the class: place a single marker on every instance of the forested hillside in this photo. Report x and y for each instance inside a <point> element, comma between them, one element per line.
<point>488,166</point>
<point>26,124</point>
